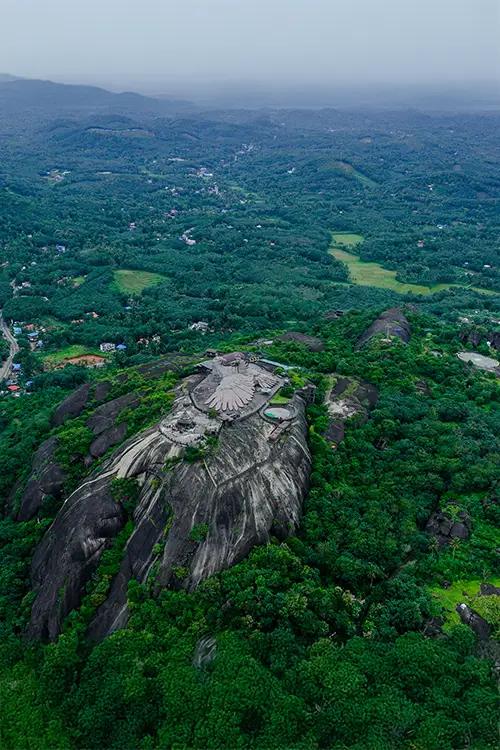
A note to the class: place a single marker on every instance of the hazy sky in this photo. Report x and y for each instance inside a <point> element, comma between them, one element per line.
<point>134,42</point>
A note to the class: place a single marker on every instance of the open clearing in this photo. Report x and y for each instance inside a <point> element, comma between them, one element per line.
<point>347,239</point>
<point>76,351</point>
<point>134,282</point>
<point>372,274</point>
<point>466,591</point>
<point>349,171</point>
<point>367,273</point>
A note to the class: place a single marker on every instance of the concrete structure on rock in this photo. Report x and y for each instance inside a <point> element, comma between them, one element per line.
<point>234,386</point>
<point>244,479</point>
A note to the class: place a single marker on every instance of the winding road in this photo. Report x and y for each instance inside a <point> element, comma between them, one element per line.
<point>14,348</point>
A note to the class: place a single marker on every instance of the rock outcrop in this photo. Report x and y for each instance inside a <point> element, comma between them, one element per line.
<point>313,343</point>
<point>72,406</point>
<point>333,314</point>
<point>47,477</point>
<point>77,401</point>
<point>348,399</point>
<point>46,480</point>
<point>488,589</point>
<point>104,425</point>
<point>444,528</point>
<point>205,652</point>
<point>476,623</point>
<point>476,336</point>
<point>489,364</point>
<point>109,437</point>
<point>392,324</point>
<point>211,486</point>
<point>433,628</point>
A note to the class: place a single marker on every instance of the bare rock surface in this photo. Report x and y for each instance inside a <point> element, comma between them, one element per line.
<point>480,361</point>
<point>47,479</point>
<point>103,418</point>
<point>475,336</point>
<point>244,481</point>
<point>348,398</point>
<point>391,323</point>
<point>72,406</point>
<point>477,623</point>
<point>312,343</point>
<point>444,528</point>
<point>77,401</point>
<point>68,555</point>
<point>105,440</point>
<point>159,367</point>
<point>488,589</point>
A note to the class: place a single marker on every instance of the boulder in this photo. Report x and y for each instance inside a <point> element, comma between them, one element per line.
<point>46,479</point>
<point>333,314</point>
<point>348,399</point>
<point>487,589</point>
<point>392,324</point>
<point>108,438</point>
<point>103,418</point>
<point>72,406</point>
<point>444,528</point>
<point>477,623</point>
<point>312,343</point>
<point>434,627</point>
<point>101,390</point>
<point>459,531</point>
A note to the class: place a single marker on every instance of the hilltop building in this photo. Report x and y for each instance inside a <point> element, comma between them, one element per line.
<point>201,326</point>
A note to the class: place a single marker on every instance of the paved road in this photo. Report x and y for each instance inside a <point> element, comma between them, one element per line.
<point>14,348</point>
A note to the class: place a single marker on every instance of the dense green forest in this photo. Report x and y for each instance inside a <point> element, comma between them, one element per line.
<point>234,212</point>
<point>128,227</point>
<point>321,640</point>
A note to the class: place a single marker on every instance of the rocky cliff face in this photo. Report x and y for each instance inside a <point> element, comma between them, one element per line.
<point>47,478</point>
<point>211,486</point>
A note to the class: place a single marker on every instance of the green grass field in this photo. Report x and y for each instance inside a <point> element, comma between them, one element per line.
<point>130,281</point>
<point>347,239</point>
<point>467,591</point>
<point>345,168</point>
<point>366,273</point>
<point>372,274</point>
<point>75,350</point>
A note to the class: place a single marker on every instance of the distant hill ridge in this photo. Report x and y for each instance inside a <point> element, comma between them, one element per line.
<point>26,93</point>
<point>6,78</point>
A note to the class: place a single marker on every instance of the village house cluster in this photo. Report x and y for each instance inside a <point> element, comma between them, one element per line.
<point>108,346</point>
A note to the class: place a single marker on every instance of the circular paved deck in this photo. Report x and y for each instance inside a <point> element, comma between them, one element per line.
<point>278,413</point>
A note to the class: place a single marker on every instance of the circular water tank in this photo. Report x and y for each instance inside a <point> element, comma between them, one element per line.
<point>278,414</point>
